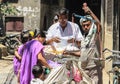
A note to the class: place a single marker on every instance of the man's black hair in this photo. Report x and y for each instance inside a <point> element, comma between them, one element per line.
<point>63,11</point>
<point>37,70</point>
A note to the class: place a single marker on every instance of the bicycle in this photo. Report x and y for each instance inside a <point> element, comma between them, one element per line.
<point>115,57</point>
<point>11,42</point>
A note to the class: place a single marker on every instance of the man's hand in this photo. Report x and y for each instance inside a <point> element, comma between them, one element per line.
<point>86,8</point>
<point>71,40</point>
<point>56,39</point>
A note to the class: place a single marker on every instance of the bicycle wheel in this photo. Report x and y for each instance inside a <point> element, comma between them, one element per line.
<point>115,80</point>
<point>13,44</point>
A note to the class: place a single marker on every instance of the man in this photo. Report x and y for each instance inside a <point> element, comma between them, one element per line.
<point>89,53</point>
<point>63,29</point>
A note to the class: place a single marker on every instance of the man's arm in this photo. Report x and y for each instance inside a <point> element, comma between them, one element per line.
<point>98,24</point>
<point>50,38</point>
<point>77,54</point>
<point>87,10</point>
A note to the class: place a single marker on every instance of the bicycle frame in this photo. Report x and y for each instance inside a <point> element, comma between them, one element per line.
<point>115,65</point>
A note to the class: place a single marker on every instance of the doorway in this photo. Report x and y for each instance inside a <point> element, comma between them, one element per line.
<point>75,6</point>
<point>116,25</point>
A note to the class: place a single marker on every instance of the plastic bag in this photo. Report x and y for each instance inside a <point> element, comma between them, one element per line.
<point>76,74</point>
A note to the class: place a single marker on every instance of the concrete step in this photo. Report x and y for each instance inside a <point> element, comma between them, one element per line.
<point>7,76</point>
<point>3,51</point>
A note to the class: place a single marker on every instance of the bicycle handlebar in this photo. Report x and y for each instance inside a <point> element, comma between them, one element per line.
<point>12,36</point>
<point>25,31</point>
<point>105,49</point>
<point>113,56</point>
<point>113,51</point>
<point>65,60</point>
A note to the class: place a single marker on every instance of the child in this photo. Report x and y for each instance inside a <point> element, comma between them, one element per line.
<point>38,73</point>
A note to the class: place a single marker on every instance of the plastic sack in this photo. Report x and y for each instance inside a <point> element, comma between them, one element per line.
<point>76,74</point>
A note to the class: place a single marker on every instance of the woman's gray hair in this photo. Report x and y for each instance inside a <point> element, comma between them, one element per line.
<point>86,18</point>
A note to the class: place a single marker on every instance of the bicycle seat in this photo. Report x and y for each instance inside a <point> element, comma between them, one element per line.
<point>10,36</point>
<point>116,63</point>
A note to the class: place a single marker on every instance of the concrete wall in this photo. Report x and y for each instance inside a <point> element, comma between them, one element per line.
<point>30,10</point>
<point>107,38</point>
<point>37,14</point>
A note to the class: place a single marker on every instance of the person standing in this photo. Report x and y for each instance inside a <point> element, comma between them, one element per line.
<point>32,55</point>
<point>89,53</point>
<point>89,50</point>
<point>63,28</point>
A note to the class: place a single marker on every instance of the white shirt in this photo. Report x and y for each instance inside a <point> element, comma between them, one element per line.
<point>71,30</point>
<point>36,81</point>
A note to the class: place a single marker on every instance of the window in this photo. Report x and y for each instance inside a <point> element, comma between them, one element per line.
<point>54,2</point>
<point>10,1</point>
<point>14,23</point>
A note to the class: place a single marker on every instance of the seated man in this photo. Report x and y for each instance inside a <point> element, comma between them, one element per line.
<point>63,31</point>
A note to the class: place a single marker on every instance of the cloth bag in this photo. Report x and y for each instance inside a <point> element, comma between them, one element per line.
<point>57,75</point>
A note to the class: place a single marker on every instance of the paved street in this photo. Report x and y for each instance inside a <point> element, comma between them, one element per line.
<point>6,71</point>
